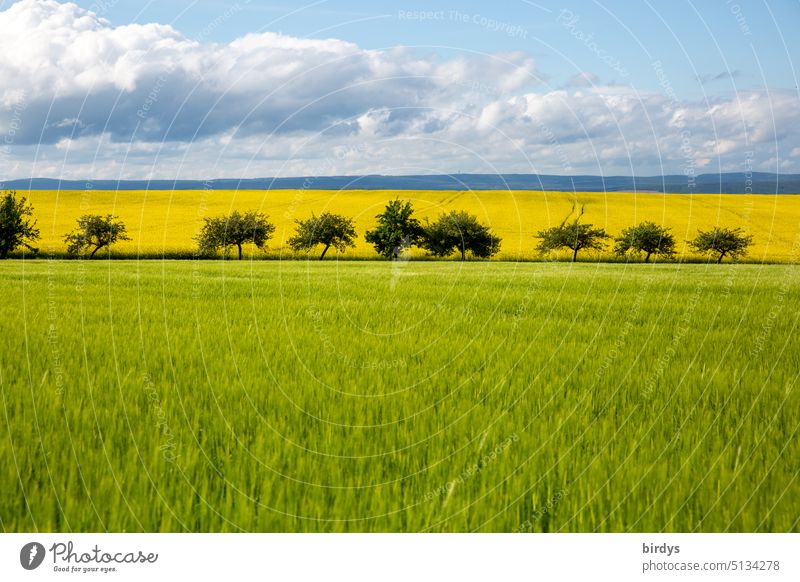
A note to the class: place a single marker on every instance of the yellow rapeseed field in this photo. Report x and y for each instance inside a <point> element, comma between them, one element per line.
<point>166,221</point>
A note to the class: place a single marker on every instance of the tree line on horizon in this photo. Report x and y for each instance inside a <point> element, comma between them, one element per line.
<point>396,232</point>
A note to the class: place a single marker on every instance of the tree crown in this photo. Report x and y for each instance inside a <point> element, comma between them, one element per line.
<point>573,235</point>
<point>330,230</point>
<point>235,229</point>
<point>721,241</point>
<point>17,227</point>
<point>396,231</point>
<point>646,237</point>
<point>95,232</point>
<point>459,230</point>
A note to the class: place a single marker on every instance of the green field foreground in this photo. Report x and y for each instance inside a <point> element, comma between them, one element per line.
<point>409,396</point>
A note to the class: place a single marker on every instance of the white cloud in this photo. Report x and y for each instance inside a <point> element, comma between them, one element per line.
<point>81,97</point>
<point>70,64</point>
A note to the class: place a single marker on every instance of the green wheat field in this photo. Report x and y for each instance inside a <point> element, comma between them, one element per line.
<point>411,396</point>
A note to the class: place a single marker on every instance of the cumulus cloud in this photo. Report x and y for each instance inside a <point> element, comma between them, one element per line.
<point>81,76</point>
<point>82,97</point>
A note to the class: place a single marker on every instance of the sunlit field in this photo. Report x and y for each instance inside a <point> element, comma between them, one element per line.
<point>164,222</point>
<point>407,396</point>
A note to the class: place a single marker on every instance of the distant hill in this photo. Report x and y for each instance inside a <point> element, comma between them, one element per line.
<point>731,183</point>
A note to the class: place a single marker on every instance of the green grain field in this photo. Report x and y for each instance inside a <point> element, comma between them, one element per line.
<point>411,396</point>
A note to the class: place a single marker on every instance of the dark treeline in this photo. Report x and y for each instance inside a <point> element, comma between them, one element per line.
<point>727,183</point>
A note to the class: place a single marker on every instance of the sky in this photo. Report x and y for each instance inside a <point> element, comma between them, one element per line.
<point>209,89</point>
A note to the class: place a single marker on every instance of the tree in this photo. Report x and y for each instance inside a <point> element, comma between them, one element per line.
<point>397,230</point>
<point>572,235</point>
<point>17,228</point>
<point>236,229</point>
<point>95,232</point>
<point>722,241</point>
<point>648,238</point>
<point>459,230</point>
<point>330,230</point>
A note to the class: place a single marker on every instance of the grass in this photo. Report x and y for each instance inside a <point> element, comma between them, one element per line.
<point>419,396</point>
<point>163,223</point>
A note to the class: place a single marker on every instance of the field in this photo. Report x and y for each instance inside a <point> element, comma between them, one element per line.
<point>411,396</point>
<point>164,222</point>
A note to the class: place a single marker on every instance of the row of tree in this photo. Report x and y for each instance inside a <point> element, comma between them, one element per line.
<point>397,230</point>
<point>646,238</point>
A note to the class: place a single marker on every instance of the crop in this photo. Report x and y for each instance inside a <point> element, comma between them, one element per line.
<point>398,396</point>
<point>163,223</point>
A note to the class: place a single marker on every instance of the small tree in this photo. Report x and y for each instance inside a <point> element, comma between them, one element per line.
<point>648,238</point>
<point>329,230</point>
<point>720,242</point>
<point>459,230</point>
<point>397,230</point>
<point>236,229</point>
<point>572,235</point>
<point>95,232</point>
<point>17,228</point>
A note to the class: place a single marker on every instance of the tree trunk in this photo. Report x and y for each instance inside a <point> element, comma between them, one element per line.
<point>95,251</point>
<point>322,256</point>
<point>575,255</point>
<point>719,260</point>
<point>647,258</point>
<point>240,251</point>
<point>463,254</point>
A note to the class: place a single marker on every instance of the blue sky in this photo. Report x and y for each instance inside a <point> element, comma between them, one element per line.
<point>755,40</point>
<point>205,88</point>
